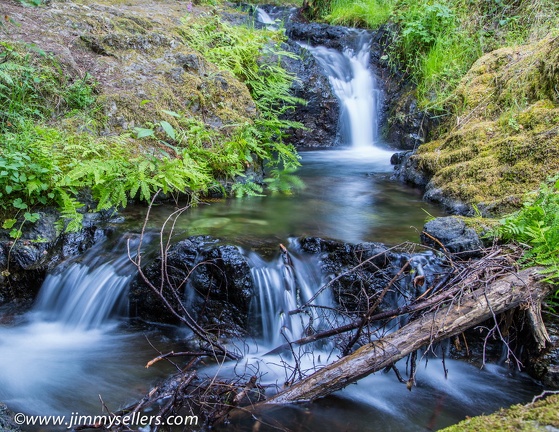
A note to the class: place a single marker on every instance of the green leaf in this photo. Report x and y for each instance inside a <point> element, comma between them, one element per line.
<point>172,113</point>
<point>169,130</point>
<point>32,217</point>
<point>15,233</point>
<point>19,204</point>
<point>9,223</point>
<point>9,189</point>
<point>145,101</point>
<point>143,132</point>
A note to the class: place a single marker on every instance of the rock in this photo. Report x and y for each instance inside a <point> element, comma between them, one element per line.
<point>25,262</point>
<point>452,233</point>
<point>406,169</point>
<point>336,37</point>
<point>213,283</point>
<point>7,423</point>
<point>356,286</point>
<point>320,115</point>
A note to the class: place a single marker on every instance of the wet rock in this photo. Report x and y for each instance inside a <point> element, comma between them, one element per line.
<point>361,271</point>
<point>212,281</point>
<point>406,169</point>
<point>7,423</point>
<point>24,262</point>
<point>320,114</point>
<point>453,235</point>
<point>336,37</point>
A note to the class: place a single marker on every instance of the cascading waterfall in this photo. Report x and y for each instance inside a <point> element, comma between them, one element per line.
<point>282,285</point>
<point>356,87</point>
<point>86,294</point>
<point>69,340</point>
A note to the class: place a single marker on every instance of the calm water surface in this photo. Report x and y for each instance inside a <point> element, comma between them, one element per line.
<point>348,196</point>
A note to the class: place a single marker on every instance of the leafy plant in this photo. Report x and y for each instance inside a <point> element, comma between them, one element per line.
<point>536,226</point>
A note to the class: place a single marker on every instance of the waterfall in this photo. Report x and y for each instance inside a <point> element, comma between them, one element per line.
<point>283,285</point>
<point>69,340</point>
<point>265,19</point>
<point>86,294</point>
<point>356,87</point>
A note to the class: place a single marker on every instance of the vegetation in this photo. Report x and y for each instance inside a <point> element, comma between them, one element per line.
<point>53,154</point>
<point>436,42</point>
<point>538,416</point>
<point>536,226</point>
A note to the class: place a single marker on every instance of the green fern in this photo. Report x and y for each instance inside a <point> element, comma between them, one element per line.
<point>536,226</point>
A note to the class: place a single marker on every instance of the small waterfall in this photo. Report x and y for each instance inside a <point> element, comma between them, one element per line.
<point>282,285</point>
<point>265,19</point>
<point>69,340</point>
<point>86,294</point>
<point>356,87</point>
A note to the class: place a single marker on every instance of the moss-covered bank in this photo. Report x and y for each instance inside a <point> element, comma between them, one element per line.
<point>503,139</point>
<point>542,415</point>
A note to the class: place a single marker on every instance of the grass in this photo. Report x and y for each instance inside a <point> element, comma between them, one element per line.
<point>363,13</point>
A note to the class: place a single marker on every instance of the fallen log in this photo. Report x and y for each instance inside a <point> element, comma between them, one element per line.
<point>471,308</point>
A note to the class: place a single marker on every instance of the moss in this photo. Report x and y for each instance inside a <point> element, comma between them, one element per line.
<point>505,139</point>
<point>540,416</point>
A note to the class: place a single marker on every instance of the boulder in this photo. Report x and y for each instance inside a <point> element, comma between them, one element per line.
<point>452,233</point>
<point>213,282</point>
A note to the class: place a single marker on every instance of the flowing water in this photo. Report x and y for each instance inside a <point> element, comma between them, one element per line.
<point>72,346</point>
<point>69,348</point>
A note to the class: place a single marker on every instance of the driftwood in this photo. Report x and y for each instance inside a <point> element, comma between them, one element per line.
<point>470,309</point>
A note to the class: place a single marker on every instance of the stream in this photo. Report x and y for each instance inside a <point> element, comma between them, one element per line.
<point>75,344</point>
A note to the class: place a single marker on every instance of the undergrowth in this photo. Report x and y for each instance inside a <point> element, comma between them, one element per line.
<point>536,226</point>
<point>43,164</point>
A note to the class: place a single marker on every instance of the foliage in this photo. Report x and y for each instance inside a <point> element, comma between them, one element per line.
<point>536,225</point>
<point>34,86</point>
<point>254,57</point>
<point>43,165</point>
<point>436,41</point>
<point>362,13</point>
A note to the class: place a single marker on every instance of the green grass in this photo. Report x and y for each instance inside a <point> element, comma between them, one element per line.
<point>364,13</point>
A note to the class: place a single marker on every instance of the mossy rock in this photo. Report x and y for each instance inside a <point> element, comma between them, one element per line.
<point>541,416</point>
<point>505,141</point>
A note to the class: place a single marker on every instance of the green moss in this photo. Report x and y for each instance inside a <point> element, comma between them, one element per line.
<point>504,141</point>
<point>527,418</point>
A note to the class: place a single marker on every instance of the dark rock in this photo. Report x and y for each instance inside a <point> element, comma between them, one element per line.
<point>7,423</point>
<point>357,281</point>
<point>24,262</point>
<point>213,283</point>
<point>320,115</point>
<point>315,34</point>
<point>406,169</point>
<point>453,234</point>
<point>451,205</point>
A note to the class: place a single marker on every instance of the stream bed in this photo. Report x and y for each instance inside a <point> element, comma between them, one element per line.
<point>76,345</point>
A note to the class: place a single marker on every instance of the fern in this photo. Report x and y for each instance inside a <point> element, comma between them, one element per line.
<point>536,226</point>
